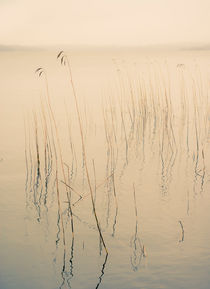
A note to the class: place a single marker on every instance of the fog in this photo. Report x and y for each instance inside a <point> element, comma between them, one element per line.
<point>104,22</point>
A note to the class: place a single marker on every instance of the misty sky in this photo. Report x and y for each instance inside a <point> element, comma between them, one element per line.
<point>104,22</point>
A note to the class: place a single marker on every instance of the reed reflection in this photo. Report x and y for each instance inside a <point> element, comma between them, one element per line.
<point>135,242</point>
<point>138,126</point>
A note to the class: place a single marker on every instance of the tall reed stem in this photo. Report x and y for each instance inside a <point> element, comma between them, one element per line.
<point>65,59</point>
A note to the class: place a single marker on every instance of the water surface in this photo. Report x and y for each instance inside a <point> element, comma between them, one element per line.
<point>145,118</point>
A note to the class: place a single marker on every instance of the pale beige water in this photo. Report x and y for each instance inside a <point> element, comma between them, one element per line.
<point>170,174</point>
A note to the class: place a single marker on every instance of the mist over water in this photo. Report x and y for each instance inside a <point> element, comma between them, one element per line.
<point>146,133</point>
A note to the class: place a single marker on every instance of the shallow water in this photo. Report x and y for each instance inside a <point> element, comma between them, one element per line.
<point>145,118</point>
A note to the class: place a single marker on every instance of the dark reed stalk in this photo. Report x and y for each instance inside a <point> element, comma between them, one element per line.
<point>37,150</point>
<point>60,216</point>
<point>71,267</point>
<point>102,272</point>
<point>59,208</point>
<point>40,71</point>
<point>135,242</point>
<point>114,190</point>
<point>70,191</point>
<point>31,162</point>
<point>95,187</point>
<point>196,129</point>
<point>37,184</point>
<point>182,228</point>
<point>116,205</point>
<point>136,214</point>
<point>44,127</point>
<point>47,153</point>
<point>59,148</point>
<point>64,59</point>
<point>63,271</point>
<point>77,193</point>
<point>204,170</point>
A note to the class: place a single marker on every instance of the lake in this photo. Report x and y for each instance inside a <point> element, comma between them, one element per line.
<point>126,171</point>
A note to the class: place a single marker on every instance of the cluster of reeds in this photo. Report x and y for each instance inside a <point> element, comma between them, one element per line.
<point>49,175</point>
<point>161,115</point>
<point>144,117</point>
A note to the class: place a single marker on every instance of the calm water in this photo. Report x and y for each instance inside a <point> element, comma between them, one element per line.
<point>146,126</point>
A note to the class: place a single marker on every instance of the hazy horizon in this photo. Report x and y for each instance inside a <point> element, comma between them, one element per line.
<point>104,23</point>
<point>161,46</point>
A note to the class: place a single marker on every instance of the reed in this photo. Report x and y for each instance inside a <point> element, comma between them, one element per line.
<point>139,126</point>
<point>64,59</point>
<point>182,228</point>
<point>41,72</point>
<point>116,205</point>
